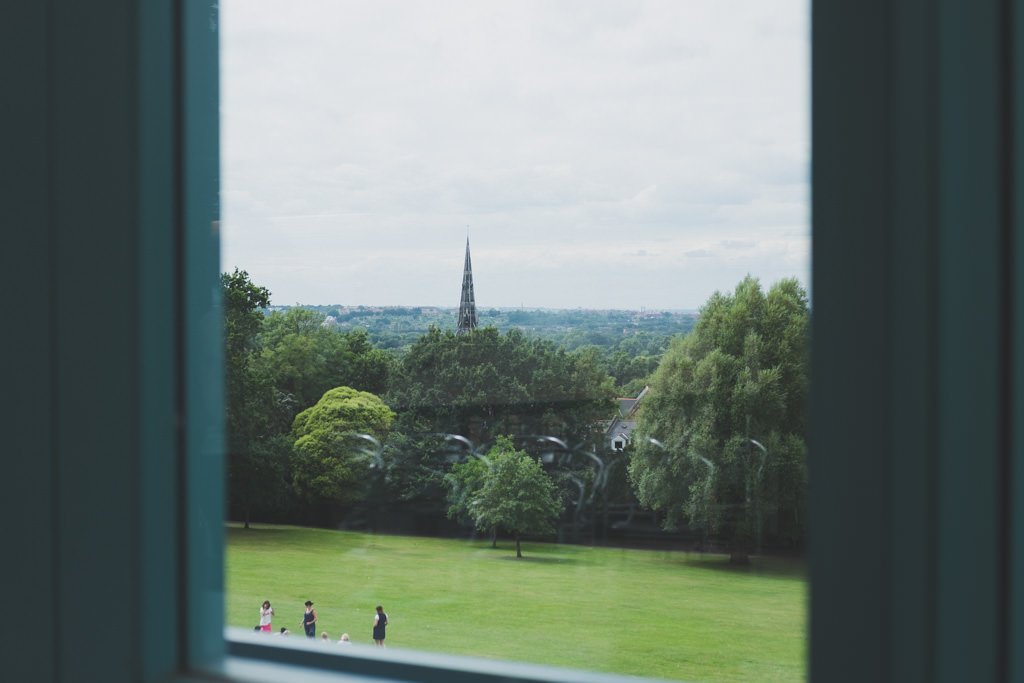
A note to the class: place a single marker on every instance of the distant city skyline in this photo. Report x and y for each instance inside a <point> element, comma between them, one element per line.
<point>617,155</point>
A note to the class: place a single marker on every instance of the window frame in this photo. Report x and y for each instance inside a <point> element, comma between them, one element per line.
<point>916,416</point>
<point>112,412</point>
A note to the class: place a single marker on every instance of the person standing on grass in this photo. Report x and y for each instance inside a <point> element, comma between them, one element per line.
<point>266,614</point>
<point>380,621</point>
<point>309,620</point>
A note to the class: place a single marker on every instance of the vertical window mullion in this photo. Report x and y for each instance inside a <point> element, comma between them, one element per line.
<point>201,321</point>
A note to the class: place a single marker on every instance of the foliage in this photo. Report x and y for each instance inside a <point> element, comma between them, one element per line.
<point>332,459</point>
<point>267,477</point>
<point>473,386</point>
<point>740,375</point>
<point>512,492</point>
<point>463,483</point>
<point>301,358</point>
<point>412,470</point>
<point>277,366</point>
<point>484,383</point>
<point>244,302</point>
<point>478,385</point>
<point>630,370</point>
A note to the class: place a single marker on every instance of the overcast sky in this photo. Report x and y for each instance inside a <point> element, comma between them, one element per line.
<point>619,154</point>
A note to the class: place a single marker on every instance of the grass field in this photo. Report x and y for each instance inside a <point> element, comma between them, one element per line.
<point>664,614</point>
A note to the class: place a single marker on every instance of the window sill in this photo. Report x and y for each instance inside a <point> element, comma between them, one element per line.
<point>258,658</point>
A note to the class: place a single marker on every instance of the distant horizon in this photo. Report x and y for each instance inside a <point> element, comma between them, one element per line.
<point>486,308</point>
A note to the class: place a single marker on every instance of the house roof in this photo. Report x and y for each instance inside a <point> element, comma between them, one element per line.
<point>624,423</point>
<point>623,428</point>
<point>628,405</point>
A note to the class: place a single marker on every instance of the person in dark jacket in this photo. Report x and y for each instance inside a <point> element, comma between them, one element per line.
<point>380,621</point>
<point>309,620</point>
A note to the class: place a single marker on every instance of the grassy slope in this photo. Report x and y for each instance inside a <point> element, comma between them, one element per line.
<point>651,613</point>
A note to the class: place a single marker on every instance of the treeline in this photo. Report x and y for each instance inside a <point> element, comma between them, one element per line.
<point>326,427</point>
<point>398,327</point>
<point>628,344</point>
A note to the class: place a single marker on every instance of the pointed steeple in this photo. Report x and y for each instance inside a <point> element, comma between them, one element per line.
<point>467,306</point>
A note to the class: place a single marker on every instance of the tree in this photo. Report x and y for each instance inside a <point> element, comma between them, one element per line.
<point>244,302</point>
<point>476,386</point>
<point>278,365</point>
<point>516,495</point>
<point>301,358</point>
<point>737,381</point>
<point>335,447</point>
<point>482,384</point>
<point>463,483</point>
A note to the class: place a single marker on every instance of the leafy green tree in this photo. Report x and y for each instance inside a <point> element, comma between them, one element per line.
<point>244,302</point>
<point>720,436</point>
<point>516,494</point>
<point>335,446</point>
<point>301,359</point>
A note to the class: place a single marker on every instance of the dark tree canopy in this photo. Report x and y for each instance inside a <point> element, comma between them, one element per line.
<point>277,366</point>
<point>463,483</point>
<point>478,385</point>
<point>484,383</point>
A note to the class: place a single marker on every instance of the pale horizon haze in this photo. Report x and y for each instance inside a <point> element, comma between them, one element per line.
<point>599,155</point>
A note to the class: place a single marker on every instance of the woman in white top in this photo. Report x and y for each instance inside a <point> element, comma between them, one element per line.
<point>266,613</point>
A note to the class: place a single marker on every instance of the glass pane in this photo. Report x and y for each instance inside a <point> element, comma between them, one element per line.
<point>517,329</point>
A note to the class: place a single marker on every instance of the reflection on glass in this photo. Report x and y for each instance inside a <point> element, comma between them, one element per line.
<point>571,433</point>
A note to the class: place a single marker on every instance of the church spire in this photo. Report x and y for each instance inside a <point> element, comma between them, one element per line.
<point>467,306</point>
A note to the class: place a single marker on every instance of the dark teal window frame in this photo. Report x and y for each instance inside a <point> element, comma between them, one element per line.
<point>112,401</point>
<point>917,469</point>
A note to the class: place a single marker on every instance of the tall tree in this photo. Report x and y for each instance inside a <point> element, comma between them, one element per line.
<point>720,436</point>
<point>244,302</point>
<point>516,494</point>
<point>301,359</point>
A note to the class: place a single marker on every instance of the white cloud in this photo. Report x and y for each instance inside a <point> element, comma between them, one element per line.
<point>360,139</point>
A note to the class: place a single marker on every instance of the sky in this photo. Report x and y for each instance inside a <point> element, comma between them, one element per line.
<point>597,154</point>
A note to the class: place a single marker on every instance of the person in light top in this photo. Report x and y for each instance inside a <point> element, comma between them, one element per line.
<point>266,614</point>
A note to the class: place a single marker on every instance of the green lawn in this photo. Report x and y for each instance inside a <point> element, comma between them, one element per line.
<point>671,615</point>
